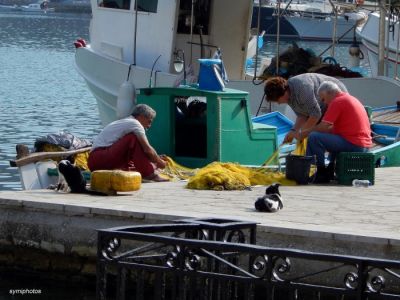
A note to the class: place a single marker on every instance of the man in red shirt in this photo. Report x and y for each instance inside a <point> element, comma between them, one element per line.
<point>344,128</point>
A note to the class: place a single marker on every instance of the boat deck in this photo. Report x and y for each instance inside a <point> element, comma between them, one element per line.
<point>327,218</point>
<point>387,117</point>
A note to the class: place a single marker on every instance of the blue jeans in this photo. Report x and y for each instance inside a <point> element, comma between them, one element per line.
<point>318,143</point>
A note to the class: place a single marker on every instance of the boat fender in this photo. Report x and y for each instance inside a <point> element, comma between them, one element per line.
<point>126,100</point>
<point>78,44</point>
<point>354,50</point>
<point>82,41</point>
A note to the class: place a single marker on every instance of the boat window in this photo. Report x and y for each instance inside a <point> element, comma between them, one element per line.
<point>191,126</point>
<point>201,16</point>
<point>147,5</point>
<point>143,5</point>
<point>117,4</point>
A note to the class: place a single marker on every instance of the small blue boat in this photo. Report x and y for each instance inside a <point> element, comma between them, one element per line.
<point>386,137</point>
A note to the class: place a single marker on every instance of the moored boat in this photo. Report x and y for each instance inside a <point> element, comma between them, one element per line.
<point>14,7</point>
<point>369,34</point>
<point>307,20</point>
<point>191,137</point>
<point>386,138</point>
<point>37,7</point>
<point>105,62</point>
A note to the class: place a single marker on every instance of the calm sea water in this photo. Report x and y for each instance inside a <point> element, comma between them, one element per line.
<point>40,90</point>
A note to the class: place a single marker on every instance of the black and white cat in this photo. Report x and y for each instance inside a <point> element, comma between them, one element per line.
<point>74,179</point>
<point>271,201</point>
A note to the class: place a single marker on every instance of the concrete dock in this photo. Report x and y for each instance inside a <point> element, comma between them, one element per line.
<point>322,218</point>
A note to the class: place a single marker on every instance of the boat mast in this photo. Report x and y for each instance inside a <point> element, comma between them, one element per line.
<point>381,41</point>
<point>278,33</point>
<point>396,65</point>
<point>334,40</point>
<point>135,37</point>
<point>387,42</point>
<point>191,31</point>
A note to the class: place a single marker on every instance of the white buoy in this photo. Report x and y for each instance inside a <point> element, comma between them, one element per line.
<point>126,100</point>
<point>355,55</point>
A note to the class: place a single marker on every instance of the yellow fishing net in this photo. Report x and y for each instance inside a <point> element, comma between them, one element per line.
<point>226,176</point>
<point>80,158</point>
<point>301,147</point>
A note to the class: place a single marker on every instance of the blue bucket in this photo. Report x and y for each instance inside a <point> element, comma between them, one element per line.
<point>210,75</point>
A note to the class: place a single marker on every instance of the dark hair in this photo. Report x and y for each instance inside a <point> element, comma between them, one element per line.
<point>275,88</point>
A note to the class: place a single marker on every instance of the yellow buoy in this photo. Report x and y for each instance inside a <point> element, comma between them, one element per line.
<point>111,181</point>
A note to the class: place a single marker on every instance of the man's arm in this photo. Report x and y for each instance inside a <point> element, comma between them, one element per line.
<point>150,152</point>
<point>302,123</point>
<point>321,127</point>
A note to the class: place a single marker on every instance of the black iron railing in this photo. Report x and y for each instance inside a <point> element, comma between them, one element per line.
<point>218,259</point>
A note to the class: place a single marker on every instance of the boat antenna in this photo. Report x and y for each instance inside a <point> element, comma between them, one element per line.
<point>278,33</point>
<point>129,72</point>
<point>201,41</point>
<point>191,30</point>
<point>152,68</point>
<point>134,40</point>
<point>257,51</point>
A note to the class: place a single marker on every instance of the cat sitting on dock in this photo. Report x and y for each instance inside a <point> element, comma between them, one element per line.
<point>74,179</point>
<point>271,201</point>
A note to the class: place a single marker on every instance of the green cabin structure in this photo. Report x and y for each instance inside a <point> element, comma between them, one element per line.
<point>196,127</point>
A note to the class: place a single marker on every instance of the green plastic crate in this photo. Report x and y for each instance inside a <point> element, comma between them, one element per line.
<point>355,165</point>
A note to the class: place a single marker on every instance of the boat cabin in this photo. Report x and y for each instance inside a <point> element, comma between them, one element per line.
<point>196,127</point>
<point>163,29</point>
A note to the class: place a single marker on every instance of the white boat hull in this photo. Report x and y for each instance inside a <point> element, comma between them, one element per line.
<point>322,29</point>
<point>369,35</point>
<point>104,76</point>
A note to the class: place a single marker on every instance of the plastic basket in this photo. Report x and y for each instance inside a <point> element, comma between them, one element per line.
<point>298,168</point>
<point>355,165</point>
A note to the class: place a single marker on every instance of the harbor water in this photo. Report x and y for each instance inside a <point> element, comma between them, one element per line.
<point>42,93</point>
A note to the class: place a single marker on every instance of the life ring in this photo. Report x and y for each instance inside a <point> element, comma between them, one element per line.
<point>330,60</point>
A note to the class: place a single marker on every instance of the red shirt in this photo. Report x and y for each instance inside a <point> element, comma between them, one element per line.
<point>349,120</point>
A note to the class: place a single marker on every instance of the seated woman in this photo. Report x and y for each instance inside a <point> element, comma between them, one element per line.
<point>345,127</point>
<point>123,145</point>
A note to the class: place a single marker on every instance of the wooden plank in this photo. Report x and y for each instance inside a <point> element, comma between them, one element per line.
<point>38,156</point>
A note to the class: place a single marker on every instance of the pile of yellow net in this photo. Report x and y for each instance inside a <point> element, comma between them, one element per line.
<point>80,158</point>
<point>230,176</point>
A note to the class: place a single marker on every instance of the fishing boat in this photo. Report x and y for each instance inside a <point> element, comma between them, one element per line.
<point>37,7</point>
<point>386,138</point>
<point>192,138</point>
<point>369,34</point>
<point>307,20</point>
<point>164,32</point>
<point>14,7</point>
<point>387,115</point>
<point>386,145</point>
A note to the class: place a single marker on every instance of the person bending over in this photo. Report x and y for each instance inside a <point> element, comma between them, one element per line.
<point>123,145</point>
<point>301,94</point>
<point>345,127</point>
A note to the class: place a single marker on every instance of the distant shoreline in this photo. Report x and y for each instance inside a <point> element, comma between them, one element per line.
<point>82,7</point>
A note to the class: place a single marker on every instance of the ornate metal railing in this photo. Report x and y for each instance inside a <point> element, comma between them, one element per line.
<point>218,259</point>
